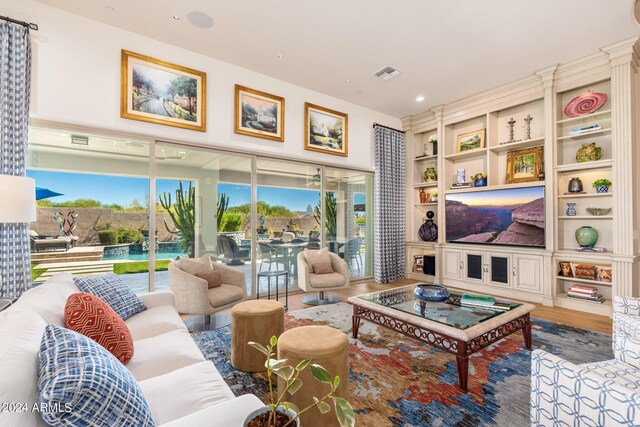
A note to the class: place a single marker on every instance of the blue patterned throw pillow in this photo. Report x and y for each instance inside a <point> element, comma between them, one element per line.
<point>82,384</point>
<point>111,289</point>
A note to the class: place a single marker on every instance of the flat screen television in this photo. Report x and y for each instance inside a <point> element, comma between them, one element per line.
<point>511,217</point>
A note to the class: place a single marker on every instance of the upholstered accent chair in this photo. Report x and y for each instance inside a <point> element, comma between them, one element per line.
<point>194,295</point>
<point>603,393</point>
<point>310,281</point>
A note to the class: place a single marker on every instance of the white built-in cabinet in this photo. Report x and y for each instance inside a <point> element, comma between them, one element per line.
<point>533,274</point>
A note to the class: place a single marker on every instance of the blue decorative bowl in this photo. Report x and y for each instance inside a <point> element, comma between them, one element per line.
<point>432,293</point>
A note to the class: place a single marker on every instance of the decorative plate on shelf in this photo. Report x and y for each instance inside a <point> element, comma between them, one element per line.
<point>586,103</point>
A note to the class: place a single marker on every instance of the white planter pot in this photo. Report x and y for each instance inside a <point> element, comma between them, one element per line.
<point>266,409</point>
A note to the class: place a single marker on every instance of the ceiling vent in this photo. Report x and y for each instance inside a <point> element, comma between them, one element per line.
<point>387,73</point>
<point>80,140</point>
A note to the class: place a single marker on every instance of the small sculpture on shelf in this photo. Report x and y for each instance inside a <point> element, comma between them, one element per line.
<point>423,196</point>
<point>511,123</point>
<point>428,231</point>
<point>479,179</point>
<point>588,153</point>
<point>430,175</point>
<point>601,185</point>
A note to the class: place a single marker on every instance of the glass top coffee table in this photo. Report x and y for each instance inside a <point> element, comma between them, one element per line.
<point>447,325</point>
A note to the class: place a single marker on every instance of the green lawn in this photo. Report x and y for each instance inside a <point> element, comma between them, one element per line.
<point>139,266</point>
<point>36,272</point>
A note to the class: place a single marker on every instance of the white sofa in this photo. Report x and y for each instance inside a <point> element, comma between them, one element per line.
<point>181,387</point>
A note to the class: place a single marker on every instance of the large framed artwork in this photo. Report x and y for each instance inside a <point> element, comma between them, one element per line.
<point>259,114</point>
<point>325,130</point>
<point>471,141</point>
<point>525,165</point>
<point>161,92</point>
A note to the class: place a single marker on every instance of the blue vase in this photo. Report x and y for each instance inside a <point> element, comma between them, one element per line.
<point>602,189</point>
<point>571,209</point>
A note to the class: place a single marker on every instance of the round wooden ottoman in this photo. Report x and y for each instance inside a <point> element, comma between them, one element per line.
<point>258,321</point>
<point>329,348</point>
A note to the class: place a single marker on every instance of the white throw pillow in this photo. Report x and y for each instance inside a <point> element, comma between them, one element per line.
<point>315,257</point>
<point>196,266</point>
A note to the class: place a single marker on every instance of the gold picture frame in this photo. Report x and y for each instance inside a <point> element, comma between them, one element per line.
<point>525,165</point>
<point>160,92</point>
<point>471,141</point>
<point>326,130</point>
<point>259,114</point>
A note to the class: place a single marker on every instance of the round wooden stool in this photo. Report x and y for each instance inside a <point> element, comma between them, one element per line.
<point>258,321</point>
<point>329,348</point>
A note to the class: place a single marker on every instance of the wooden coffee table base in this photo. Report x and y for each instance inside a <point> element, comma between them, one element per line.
<point>460,348</point>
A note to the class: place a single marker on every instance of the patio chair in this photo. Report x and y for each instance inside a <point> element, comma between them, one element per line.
<point>268,255</point>
<point>41,243</point>
<point>288,236</point>
<point>230,250</point>
<point>352,252</point>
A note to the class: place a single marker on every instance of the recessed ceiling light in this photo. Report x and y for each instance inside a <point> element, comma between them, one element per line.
<point>419,98</point>
<point>200,20</point>
<point>176,17</point>
<point>109,8</point>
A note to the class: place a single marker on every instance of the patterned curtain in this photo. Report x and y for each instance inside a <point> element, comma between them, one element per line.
<point>389,205</point>
<point>15,70</point>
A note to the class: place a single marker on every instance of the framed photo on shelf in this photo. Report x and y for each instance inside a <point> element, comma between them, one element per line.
<point>565,269</point>
<point>418,263</point>
<point>525,165</point>
<point>471,141</point>
<point>325,130</point>
<point>161,92</point>
<point>259,114</point>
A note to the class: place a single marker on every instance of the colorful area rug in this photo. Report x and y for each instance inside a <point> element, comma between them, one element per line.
<point>399,381</point>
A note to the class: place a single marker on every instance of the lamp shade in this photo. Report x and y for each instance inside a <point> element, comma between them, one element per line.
<point>17,199</point>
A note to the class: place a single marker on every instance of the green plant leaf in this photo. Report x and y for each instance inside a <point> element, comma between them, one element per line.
<point>336,382</point>
<point>259,347</point>
<point>284,372</point>
<point>344,412</point>
<point>323,407</point>
<point>320,374</point>
<point>276,363</point>
<point>274,341</point>
<point>302,365</point>
<point>291,406</point>
<point>295,386</point>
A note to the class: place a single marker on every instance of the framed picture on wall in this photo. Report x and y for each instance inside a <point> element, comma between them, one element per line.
<point>525,165</point>
<point>161,92</point>
<point>470,141</point>
<point>259,114</point>
<point>325,130</point>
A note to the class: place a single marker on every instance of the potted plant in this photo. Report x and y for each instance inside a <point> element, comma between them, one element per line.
<point>601,185</point>
<point>278,412</point>
<point>434,197</point>
<point>479,179</point>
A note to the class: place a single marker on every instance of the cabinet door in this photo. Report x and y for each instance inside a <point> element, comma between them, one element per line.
<point>475,266</point>
<point>527,272</point>
<point>453,265</point>
<point>499,270</point>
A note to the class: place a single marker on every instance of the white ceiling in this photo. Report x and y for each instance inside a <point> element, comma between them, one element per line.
<point>445,49</point>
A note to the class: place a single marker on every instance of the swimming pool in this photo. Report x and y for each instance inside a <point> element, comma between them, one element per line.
<point>145,256</point>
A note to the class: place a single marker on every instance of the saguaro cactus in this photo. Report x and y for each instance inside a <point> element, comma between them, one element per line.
<point>182,214</point>
<point>223,204</point>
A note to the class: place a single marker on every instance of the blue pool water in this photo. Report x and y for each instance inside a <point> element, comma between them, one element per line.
<point>145,256</point>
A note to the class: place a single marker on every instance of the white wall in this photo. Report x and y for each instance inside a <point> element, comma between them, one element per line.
<point>76,80</point>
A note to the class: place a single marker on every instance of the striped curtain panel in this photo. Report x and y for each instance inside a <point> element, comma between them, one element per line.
<point>15,70</point>
<point>389,205</point>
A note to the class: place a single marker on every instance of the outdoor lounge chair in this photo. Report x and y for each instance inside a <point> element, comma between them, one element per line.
<point>233,255</point>
<point>49,243</point>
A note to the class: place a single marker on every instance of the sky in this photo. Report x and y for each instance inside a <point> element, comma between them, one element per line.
<point>498,197</point>
<point>123,190</point>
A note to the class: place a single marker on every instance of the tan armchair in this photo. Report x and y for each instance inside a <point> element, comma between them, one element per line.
<point>193,295</point>
<point>310,282</point>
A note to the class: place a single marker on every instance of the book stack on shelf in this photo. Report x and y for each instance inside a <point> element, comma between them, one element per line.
<point>585,129</point>
<point>588,293</point>
<point>485,301</point>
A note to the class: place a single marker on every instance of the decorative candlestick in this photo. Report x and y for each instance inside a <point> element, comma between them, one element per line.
<point>528,121</point>
<point>511,122</point>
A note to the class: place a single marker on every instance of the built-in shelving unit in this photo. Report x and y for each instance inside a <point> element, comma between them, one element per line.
<point>534,273</point>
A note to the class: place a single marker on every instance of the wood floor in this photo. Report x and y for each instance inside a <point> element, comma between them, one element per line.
<point>563,316</point>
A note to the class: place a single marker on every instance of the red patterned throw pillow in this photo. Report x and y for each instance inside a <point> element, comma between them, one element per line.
<point>92,317</point>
